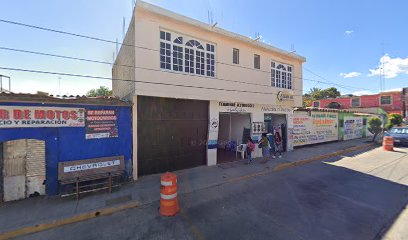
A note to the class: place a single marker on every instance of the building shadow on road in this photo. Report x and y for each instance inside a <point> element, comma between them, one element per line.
<point>340,203</point>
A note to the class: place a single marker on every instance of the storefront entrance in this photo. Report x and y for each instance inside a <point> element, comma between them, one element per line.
<point>277,123</point>
<point>23,169</point>
<point>234,129</point>
<point>171,134</point>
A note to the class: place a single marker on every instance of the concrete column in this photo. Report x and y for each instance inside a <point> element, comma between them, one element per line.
<point>214,124</point>
<point>289,124</point>
<point>135,142</point>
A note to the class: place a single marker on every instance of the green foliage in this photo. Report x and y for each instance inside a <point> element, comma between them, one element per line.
<point>395,119</point>
<point>318,94</point>
<point>100,92</point>
<point>374,126</point>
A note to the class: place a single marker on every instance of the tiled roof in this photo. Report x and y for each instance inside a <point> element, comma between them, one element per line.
<point>43,98</point>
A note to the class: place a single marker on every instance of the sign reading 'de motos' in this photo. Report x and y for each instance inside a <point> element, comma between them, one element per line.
<point>30,117</point>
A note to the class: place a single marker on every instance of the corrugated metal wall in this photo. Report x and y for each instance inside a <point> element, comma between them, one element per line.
<point>35,158</point>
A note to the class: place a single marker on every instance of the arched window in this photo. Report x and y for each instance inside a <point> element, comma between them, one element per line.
<point>281,75</point>
<point>194,57</point>
<point>181,53</point>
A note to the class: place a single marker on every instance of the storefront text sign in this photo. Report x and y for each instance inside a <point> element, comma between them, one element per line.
<point>101,124</point>
<point>235,107</point>
<point>31,117</point>
<point>315,127</point>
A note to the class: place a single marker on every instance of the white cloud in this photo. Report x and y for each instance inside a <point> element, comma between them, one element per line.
<point>392,67</point>
<point>349,32</point>
<point>350,74</point>
<point>361,93</point>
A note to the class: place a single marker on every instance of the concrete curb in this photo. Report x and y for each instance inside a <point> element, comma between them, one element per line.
<point>69,220</point>
<point>134,204</point>
<point>313,159</point>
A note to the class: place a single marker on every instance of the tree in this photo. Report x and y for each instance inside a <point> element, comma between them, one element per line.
<point>374,126</point>
<point>315,94</point>
<point>394,119</point>
<point>100,92</point>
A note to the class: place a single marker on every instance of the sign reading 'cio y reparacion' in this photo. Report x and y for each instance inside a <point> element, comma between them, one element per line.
<point>32,117</point>
<point>101,124</point>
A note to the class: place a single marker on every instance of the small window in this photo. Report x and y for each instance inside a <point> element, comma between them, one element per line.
<point>385,100</point>
<point>257,61</point>
<point>316,104</point>
<point>235,56</point>
<point>355,102</point>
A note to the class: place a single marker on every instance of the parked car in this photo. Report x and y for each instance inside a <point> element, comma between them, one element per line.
<point>400,135</point>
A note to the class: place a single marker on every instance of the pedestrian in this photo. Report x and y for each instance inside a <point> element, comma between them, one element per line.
<point>264,144</point>
<point>278,144</point>
<point>249,149</point>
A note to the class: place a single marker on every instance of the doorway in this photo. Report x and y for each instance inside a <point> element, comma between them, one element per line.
<point>277,123</point>
<point>234,129</point>
<point>23,169</point>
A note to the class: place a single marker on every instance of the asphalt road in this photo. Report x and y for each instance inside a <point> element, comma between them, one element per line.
<point>356,196</point>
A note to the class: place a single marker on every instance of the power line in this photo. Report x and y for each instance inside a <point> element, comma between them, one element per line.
<point>345,87</point>
<point>130,66</point>
<point>136,81</point>
<point>121,65</point>
<point>131,45</point>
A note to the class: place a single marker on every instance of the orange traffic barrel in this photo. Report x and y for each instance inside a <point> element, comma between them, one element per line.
<point>168,195</point>
<point>388,143</point>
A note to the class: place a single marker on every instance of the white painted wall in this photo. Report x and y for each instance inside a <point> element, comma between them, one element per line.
<point>147,25</point>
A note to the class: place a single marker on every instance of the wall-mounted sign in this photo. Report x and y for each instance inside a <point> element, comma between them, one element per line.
<point>276,109</point>
<point>314,128</point>
<point>284,96</point>
<point>80,168</point>
<point>353,128</point>
<point>214,125</point>
<point>101,124</point>
<point>235,107</point>
<point>34,117</point>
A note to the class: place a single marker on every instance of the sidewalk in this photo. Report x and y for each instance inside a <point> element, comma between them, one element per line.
<point>146,190</point>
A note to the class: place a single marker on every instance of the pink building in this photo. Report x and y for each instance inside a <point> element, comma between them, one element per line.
<point>391,102</point>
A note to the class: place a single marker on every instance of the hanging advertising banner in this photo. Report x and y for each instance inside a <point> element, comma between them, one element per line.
<point>317,127</point>
<point>35,117</point>
<point>353,128</point>
<point>101,124</point>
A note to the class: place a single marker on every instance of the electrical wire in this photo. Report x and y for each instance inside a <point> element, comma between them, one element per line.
<point>122,65</point>
<point>135,46</point>
<point>136,81</point>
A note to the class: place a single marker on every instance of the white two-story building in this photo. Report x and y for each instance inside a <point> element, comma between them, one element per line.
<point>199,90</point>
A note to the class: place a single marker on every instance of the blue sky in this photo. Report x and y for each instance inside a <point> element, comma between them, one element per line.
<point>342,40</point>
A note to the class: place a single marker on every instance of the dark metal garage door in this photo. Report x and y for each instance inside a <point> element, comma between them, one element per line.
<point>172,134</point>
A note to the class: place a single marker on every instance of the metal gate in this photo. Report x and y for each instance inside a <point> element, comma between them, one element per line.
<point>172,134</point>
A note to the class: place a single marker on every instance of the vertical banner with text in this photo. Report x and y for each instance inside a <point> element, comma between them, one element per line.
<point>101,124</point>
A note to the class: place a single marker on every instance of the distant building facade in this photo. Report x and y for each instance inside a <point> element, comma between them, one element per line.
<point>391,102</point>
